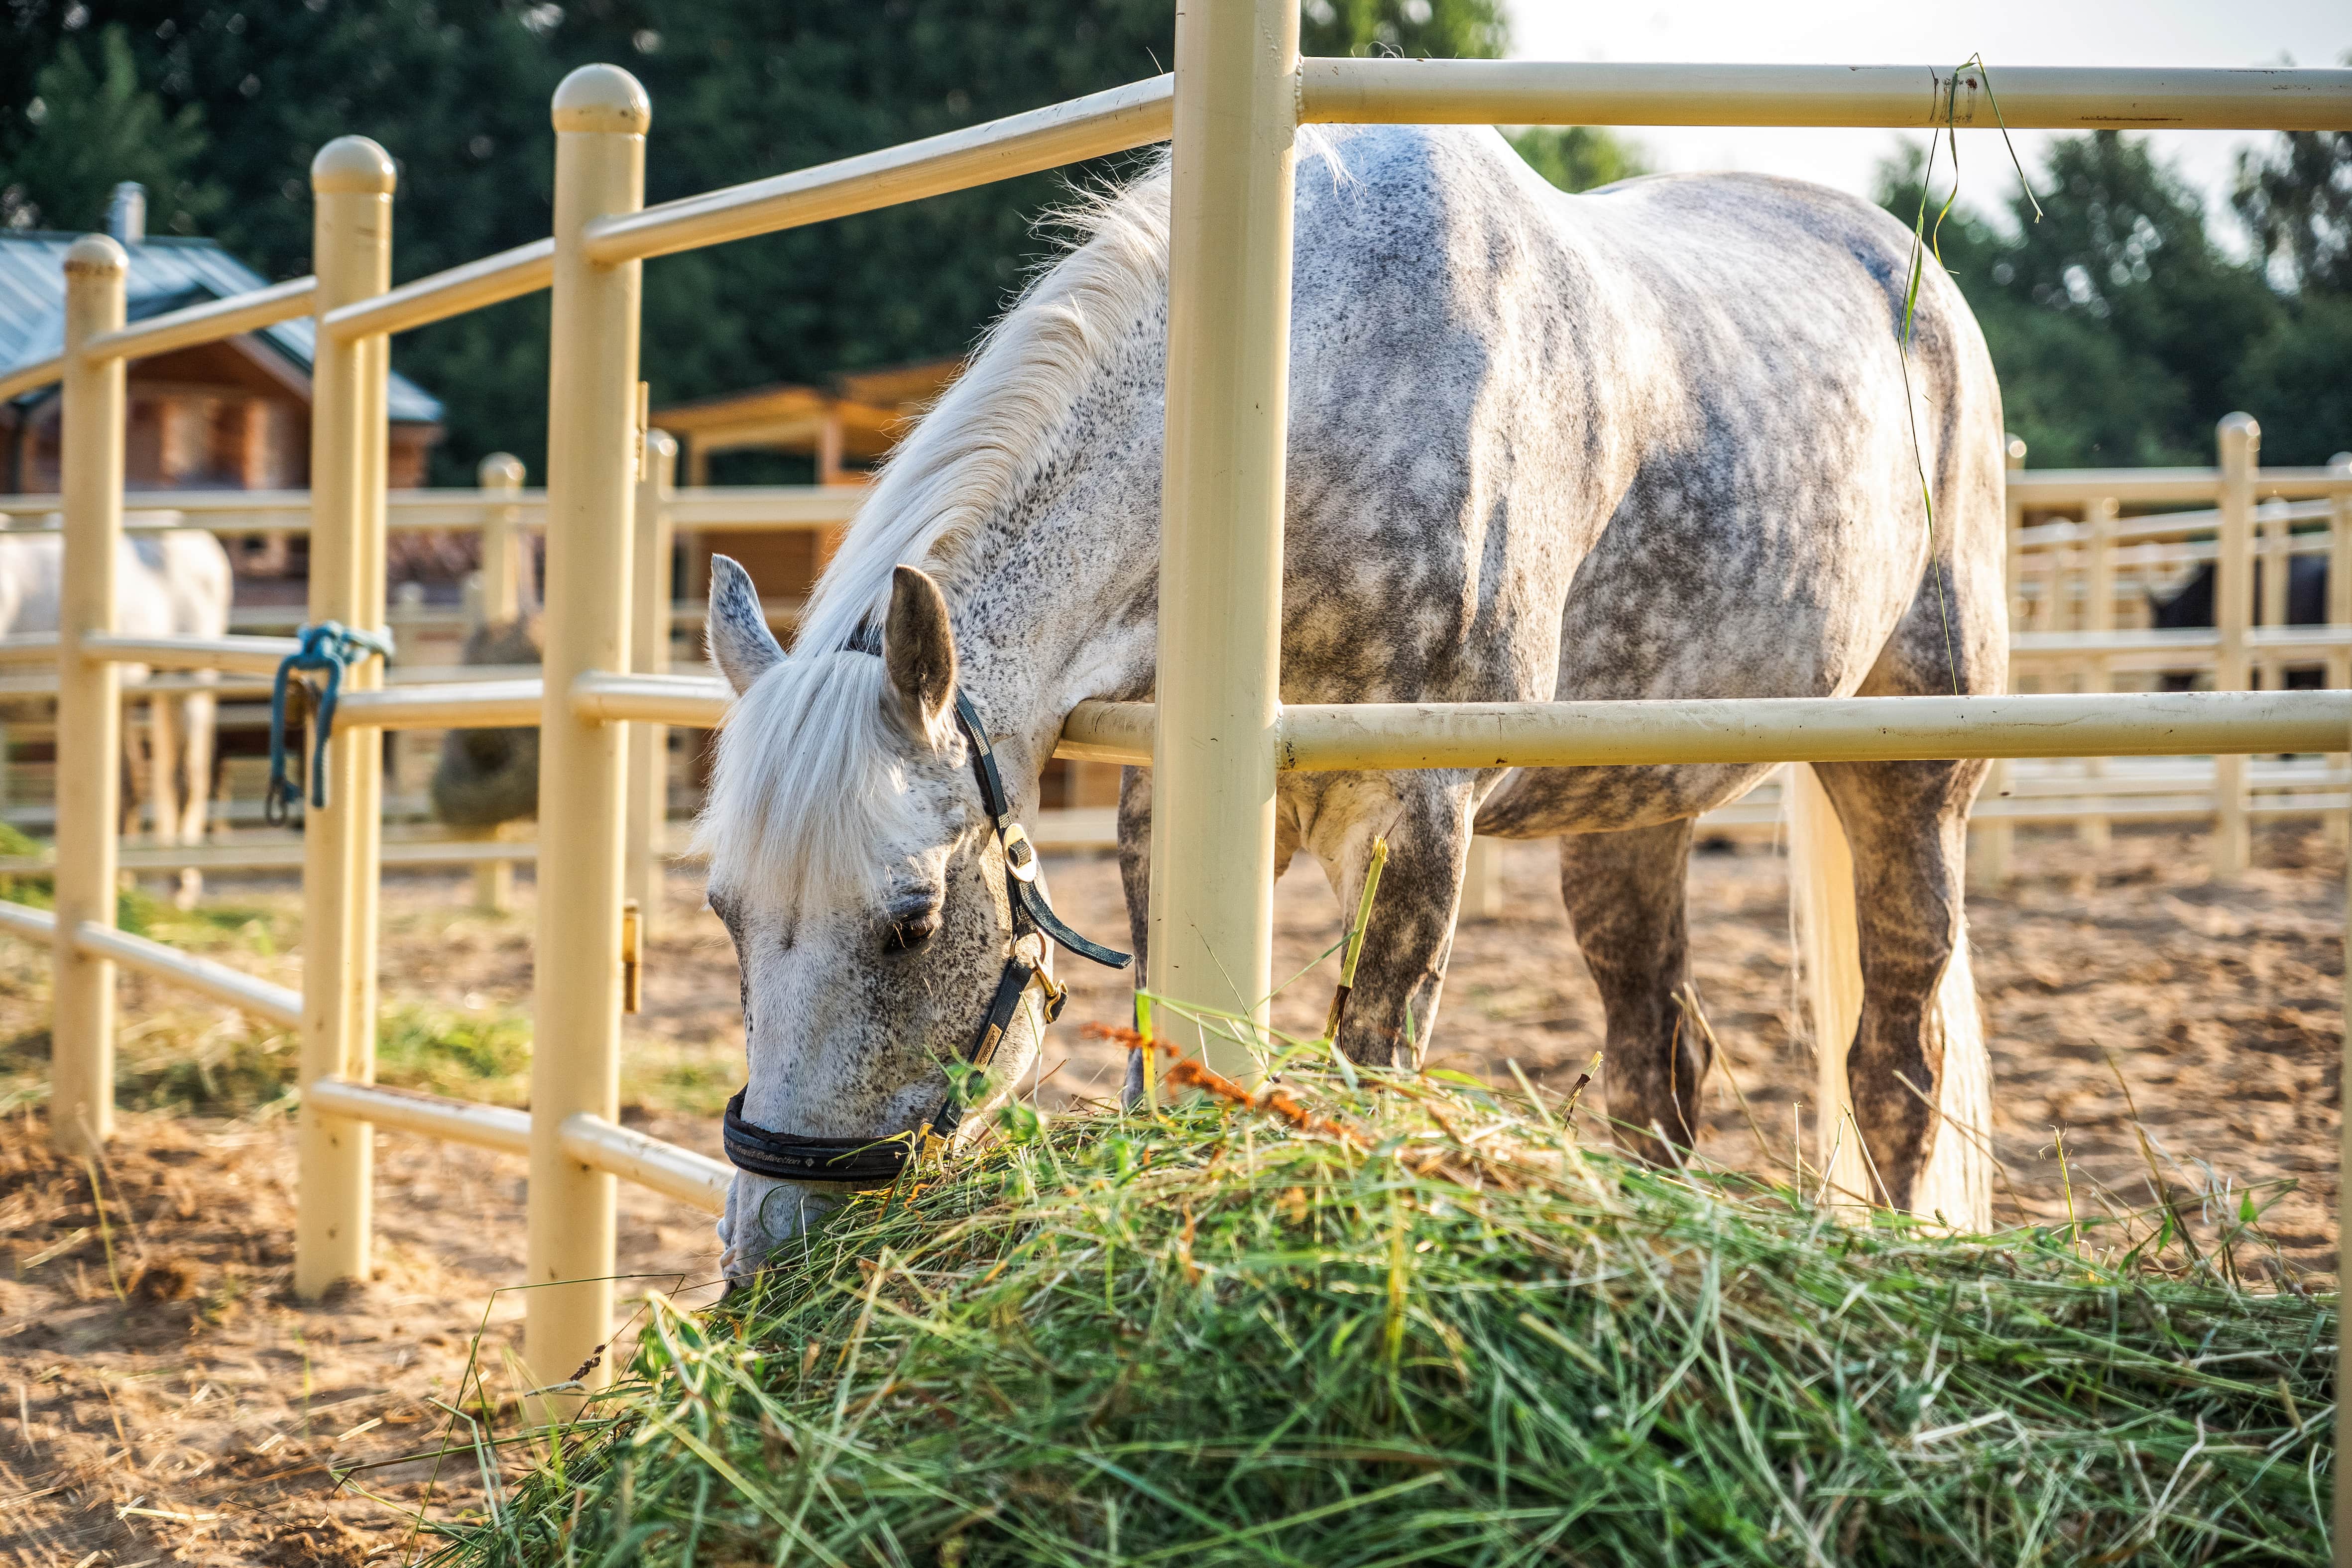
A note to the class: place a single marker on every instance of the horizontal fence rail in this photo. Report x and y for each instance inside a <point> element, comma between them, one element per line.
<point>2157,487</point>
<point>1399,735</point>
<point>208,322</point>
<point>1890,97</point>
<point>32,377</point>
<point>23,920</point>
<point>428,1115</point>
<point>1119,120</point>
<point>697,701</point>
<point>693,1179</point>
<point>183,329</point>
<point>492,280</point>
<point>737,508</point>
<point>237,656</point>
<point>456,704</point>
<point>278,1003</point>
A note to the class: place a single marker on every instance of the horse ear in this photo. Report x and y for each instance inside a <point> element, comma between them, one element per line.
<point>736,631</point>
<point>919,648</point>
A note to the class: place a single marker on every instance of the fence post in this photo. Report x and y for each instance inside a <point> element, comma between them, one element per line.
<point>352,183</point>
<point>2098,675</point>
<point>2276,531</point>
<point>501,476</point>
<point>2013,458</point>
<point>2240,441</point>
<point>89,702</point>
<point>2339,611</point>
<point>649,655</point>
<point>1221,513</point>
<point>1991,841</point>
<point>601,115</point>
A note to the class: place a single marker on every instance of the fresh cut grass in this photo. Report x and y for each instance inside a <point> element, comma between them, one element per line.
<point>1412,1320</point>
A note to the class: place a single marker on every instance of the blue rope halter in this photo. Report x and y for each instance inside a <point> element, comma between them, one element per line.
<point>328,648</point>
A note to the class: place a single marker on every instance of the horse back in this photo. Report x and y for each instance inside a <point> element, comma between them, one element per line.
<point>1660,440</point>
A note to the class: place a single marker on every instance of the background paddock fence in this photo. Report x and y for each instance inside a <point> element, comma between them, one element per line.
<point>2083,571</point>
<point>1218,738</point>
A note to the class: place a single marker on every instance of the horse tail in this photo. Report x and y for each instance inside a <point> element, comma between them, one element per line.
<point>1958,1183</point>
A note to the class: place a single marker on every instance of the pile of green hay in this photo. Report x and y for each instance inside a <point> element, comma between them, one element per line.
<point>1443,1333</point>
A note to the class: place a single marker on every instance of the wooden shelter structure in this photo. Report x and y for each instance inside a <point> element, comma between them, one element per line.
<point>844,427</point>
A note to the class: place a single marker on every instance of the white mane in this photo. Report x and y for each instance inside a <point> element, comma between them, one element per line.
<point>809,781</point>
<point>992,433</point>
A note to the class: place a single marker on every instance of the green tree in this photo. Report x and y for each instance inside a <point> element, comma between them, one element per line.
<point>1417,29</point>
<point>1579,157</point>
<point>85,127</point>
<point>2120,330</point>
<point>456,90</point>
<point>2296,201</point>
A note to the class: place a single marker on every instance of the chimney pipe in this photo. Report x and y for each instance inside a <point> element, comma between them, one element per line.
<point>126,215</point>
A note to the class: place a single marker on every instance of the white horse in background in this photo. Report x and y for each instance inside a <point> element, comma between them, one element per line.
<point>176,583</point>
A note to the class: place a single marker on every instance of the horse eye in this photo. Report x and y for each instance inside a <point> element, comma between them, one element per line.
<point>911,928</point>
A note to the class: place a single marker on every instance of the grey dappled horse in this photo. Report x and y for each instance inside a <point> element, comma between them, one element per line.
<point>1652,442</point>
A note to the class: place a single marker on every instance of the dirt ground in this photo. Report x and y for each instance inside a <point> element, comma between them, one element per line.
<point>163,1400</point>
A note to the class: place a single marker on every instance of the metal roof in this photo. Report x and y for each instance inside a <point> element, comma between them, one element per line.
<point>166,273</point>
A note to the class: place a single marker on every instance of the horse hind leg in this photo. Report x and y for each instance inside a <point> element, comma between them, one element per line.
<point>1917,1093</point>
<point>1626,897</point>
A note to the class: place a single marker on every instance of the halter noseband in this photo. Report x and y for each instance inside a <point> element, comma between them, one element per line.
<point>875,1162</point>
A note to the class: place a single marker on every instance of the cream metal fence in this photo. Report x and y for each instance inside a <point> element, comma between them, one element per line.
<point>2080,592</point>
<point>1218,736</point>
<point>2073,572</point>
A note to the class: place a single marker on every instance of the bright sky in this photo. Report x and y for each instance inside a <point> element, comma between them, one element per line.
<point>2006,32</point>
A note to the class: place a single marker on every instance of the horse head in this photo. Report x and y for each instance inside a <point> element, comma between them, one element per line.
<point>858,863</point>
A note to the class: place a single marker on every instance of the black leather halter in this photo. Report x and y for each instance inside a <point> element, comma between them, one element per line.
<point>877,1162</point>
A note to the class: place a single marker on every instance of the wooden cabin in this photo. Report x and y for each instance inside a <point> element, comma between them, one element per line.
<point>229,415</point>
<point>843,429</point>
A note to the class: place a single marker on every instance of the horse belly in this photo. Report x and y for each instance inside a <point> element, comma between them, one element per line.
<point>1772,600</point>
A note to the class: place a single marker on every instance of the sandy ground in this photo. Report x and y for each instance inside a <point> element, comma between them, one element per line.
<point>161,1397</point>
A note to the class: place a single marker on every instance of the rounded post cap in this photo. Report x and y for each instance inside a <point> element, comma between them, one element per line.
<point>499,471</point>
<point>96,255</point>
<point>2341,460</point>
<point>661,442</point>
<point>2012,447</point>
<point>603,97</point>
<point>352,166</point>
<point>2239,426</point>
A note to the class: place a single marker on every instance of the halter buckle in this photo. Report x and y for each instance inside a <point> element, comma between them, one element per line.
<point>1020,854</point>
<point>1056,993</point>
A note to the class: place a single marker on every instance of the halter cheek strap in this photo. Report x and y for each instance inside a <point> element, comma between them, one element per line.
<point>877,1162</point>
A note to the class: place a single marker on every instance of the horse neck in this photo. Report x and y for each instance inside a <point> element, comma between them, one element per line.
<point>1056,611</point>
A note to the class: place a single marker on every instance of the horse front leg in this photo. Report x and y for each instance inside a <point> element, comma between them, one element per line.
<point>1135,881</point>
<point>163,766</point>
<point>1625,894</point>
<point>199,715</point>
<point>1392,1009</point>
